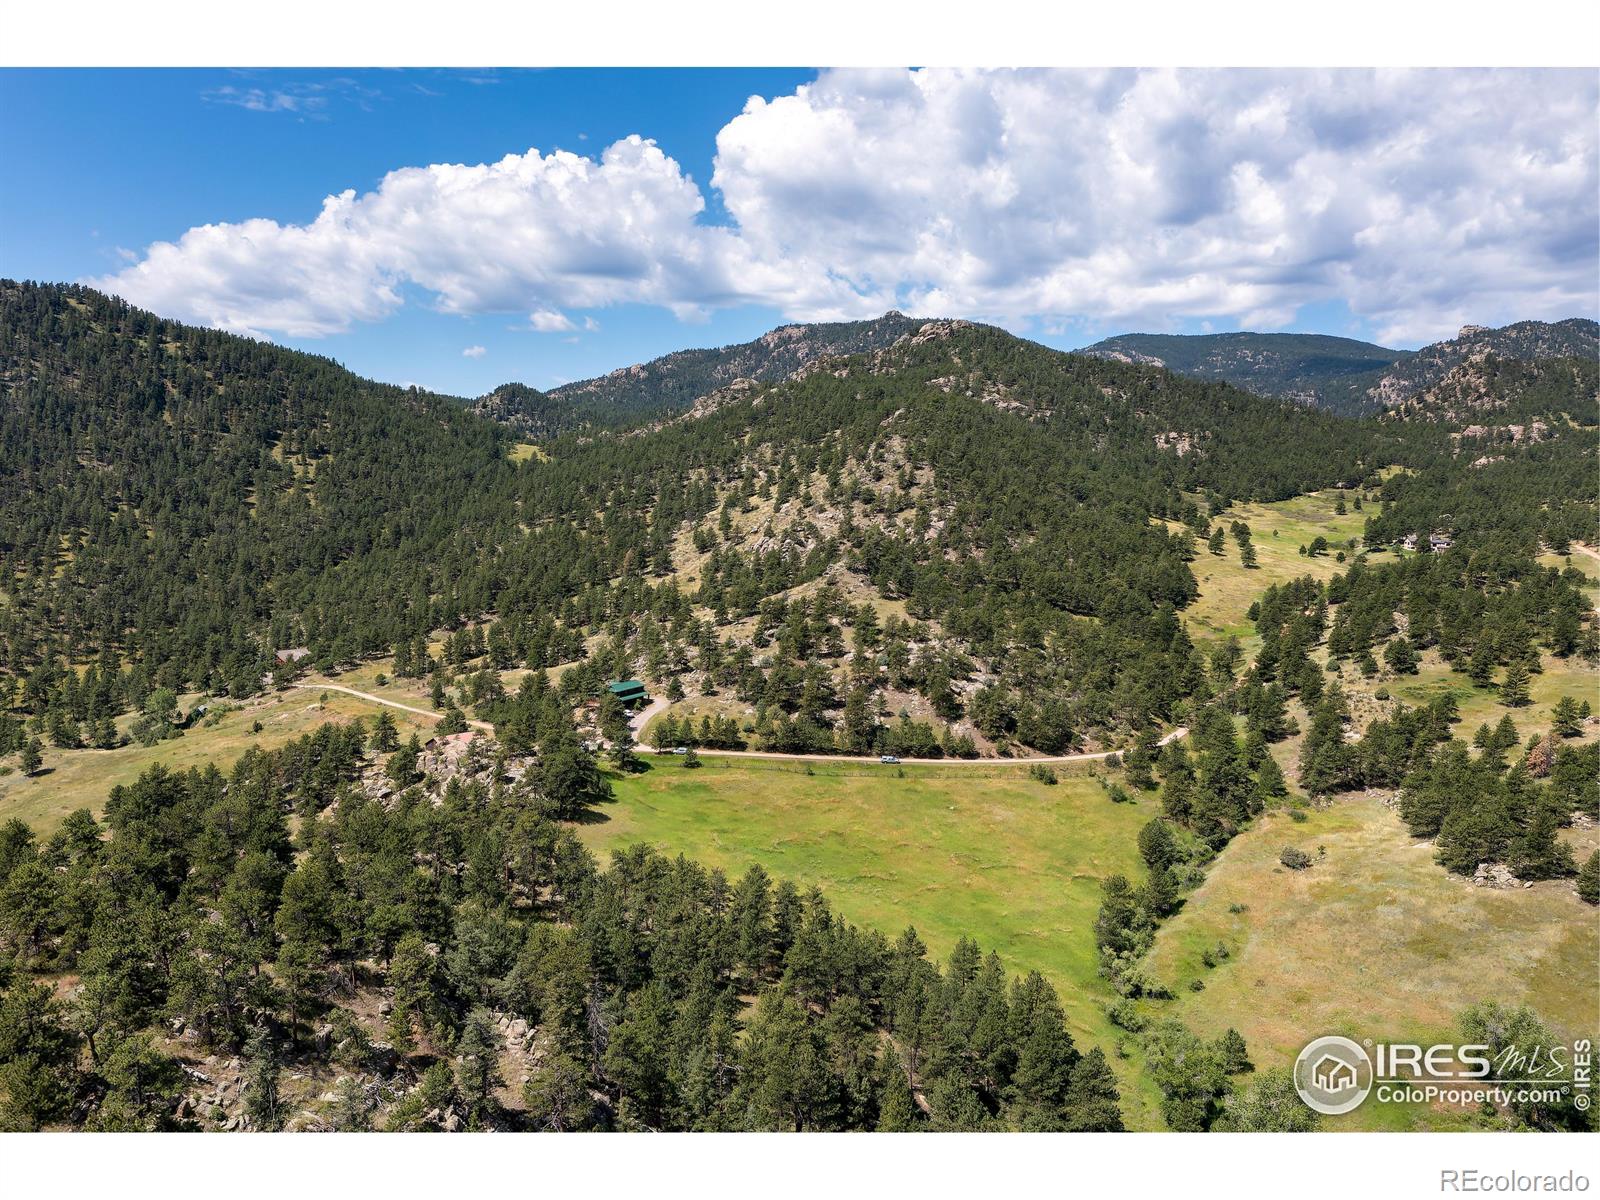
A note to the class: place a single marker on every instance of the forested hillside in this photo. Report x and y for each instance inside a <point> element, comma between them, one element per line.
<point>1525,341</point>
<point>952,542</point>
<point>1344,375</point>
<point>673,383</point>
<point>1310,368</point>
<point>179,504</point>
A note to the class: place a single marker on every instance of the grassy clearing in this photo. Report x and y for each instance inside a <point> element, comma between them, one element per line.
<point>1375,940</point>
<point>1559,677</point>
<point>991,854</point>
<point>1278,530</point>
<point>82,778</point>
<point>523,451</point>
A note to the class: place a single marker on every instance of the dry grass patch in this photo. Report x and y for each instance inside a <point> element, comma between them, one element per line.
<point>1374,940</point>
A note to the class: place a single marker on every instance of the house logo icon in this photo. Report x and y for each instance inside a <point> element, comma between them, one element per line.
<point>1333,1075</point>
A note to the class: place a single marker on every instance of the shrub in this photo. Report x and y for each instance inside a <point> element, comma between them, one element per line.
<point>1294,858</point>
<point>1124,1015</point>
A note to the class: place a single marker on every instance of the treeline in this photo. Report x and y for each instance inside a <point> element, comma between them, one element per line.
<point>1206,799</point>
<point>431,949</point>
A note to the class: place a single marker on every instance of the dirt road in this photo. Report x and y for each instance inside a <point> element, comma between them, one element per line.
<point>637,723</point>
<point>421,712</point>
<point>1043,760</point>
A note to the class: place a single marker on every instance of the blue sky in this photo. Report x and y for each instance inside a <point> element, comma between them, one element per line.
<point>1066,205</point>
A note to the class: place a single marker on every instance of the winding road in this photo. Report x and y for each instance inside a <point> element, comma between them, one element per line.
<point>1043,760</point>
<point>637,722</point>
<point>421,712</point>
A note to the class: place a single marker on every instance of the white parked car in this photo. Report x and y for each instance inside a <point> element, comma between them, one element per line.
<point>889,759</point>
<point>681,750</point>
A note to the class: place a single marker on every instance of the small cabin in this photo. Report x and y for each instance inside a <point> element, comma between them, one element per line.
<point>629,691</point>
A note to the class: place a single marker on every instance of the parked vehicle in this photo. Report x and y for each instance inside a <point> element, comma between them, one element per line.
<point>681,750</point>
<point>888,759</point>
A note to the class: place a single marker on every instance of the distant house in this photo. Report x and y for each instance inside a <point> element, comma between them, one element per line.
<point>1439,542</point>
<point>1409,541</point>
<point>629,691</point>
<point>292,654</point>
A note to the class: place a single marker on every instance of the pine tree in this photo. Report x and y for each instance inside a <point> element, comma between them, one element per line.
<point>1157,846</point>
<point>1232,1053</point>
<point>1514,688</point>
<point>477,1067</point>
<point>897,1110</point>
<point>1589,879</point>
<point>1564,718</point>
<point>385,737</point>
<point>557,1095</point>
<point>38,1053</point>
<point>1269,780</point>
<point>1092,1098</point>
<point>1540,853</point>
<point>261,1089</point>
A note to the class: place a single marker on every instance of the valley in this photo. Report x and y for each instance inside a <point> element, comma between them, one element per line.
<point>1049,657</point>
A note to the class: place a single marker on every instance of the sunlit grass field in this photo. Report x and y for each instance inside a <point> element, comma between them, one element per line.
<point>988,853</point>
<point>73,779</point>
<point>1278,530</point>
<point>1374,940</point>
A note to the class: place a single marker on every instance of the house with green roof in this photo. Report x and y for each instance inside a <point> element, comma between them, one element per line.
<point>629,691</point>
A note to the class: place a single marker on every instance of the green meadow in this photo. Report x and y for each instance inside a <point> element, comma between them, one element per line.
<point>987,853</point>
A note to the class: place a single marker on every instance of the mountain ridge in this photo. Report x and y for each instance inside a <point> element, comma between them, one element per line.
<point>673,382</point>
<point>1344,374</point>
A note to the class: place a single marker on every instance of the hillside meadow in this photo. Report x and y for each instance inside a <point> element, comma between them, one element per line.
<point>991,854</point>
<point>1374,940</point>
<point>72,779</point>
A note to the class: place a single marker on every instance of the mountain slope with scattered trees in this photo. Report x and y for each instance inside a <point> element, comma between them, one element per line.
<point>674,382</point>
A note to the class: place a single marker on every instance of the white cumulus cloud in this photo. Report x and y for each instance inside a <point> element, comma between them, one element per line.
<point>1421,200</point>
<point>474,352</point>
<point>548,320</point>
